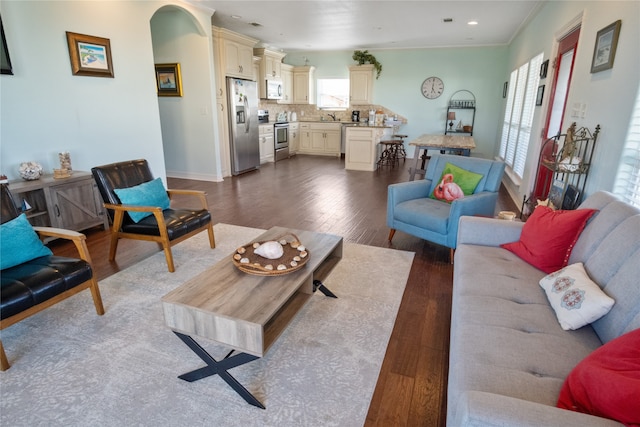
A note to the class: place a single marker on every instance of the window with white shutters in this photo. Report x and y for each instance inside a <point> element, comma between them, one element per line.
<point>518,116</point>
<point>627,183</point>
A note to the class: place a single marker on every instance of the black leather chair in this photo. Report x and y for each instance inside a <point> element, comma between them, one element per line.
<point>40,283</point>
<point>166,227</point>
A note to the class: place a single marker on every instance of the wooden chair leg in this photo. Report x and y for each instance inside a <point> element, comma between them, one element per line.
<point>4,362</point>
<point>115,230</point>
<point>169,256</point>
<point>212,239</point>
<point>114,246</point>
<point>97,298</point>
<point>392,232</point>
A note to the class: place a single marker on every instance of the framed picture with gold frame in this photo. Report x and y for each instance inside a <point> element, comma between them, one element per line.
<point>89,55</point>
<point>168,79</point>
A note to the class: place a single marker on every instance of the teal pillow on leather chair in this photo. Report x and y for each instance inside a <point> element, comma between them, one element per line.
<point>19,243</point>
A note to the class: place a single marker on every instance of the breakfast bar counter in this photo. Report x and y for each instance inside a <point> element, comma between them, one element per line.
<point>464,144</point>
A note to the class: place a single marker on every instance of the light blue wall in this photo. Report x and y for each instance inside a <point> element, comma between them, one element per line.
<point>188,130</point>
<point>45,109</point>
<point>609,95</point>
<point>479,70</point>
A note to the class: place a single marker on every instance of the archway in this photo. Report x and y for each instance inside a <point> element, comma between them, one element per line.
<point>187,121</point>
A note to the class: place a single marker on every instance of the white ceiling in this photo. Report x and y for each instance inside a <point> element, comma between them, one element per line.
<point>313,25</point>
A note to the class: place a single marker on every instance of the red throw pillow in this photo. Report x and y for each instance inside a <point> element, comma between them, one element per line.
<point>548,237</point>
<point>607,382</point>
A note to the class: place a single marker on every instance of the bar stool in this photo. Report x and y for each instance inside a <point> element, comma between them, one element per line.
<point>389,155</point>
<point>400,152</point>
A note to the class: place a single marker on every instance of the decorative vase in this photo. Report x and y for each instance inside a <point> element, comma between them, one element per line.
<point>30,171</point>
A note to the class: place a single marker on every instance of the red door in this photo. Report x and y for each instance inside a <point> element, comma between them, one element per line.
<point>563,64</point>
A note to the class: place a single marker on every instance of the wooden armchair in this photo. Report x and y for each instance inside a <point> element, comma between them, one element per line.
<point>167,226</point>
<point>34,285</point>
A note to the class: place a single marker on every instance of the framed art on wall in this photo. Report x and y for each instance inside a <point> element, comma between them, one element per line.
<point>543,69</point>
<point>5,60</point>
<point>89,55</point>
<point>539,95</point>
<point>168,79</point>
<point>604,51</point>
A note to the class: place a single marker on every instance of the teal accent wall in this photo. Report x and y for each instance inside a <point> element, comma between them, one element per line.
<point>479,70</point>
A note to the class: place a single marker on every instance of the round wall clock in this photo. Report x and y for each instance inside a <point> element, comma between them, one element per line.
<point>432,87</point>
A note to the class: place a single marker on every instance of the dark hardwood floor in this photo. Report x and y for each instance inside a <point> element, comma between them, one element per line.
<point>317,193</point>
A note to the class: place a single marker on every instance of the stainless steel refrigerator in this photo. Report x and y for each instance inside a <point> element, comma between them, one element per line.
<point>242,96</point>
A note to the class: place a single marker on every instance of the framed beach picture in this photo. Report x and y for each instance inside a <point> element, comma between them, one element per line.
<point>604,51</point>
<point>89,55</point>
<point>168,79</point>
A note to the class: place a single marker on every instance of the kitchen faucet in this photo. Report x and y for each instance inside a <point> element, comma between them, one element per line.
<point>333,116</point>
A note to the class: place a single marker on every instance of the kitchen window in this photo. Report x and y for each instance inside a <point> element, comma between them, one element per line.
<point>333,94</point>
<point>518,115</point>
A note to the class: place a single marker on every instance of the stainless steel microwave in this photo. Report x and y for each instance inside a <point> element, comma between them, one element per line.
<point>274,89</point>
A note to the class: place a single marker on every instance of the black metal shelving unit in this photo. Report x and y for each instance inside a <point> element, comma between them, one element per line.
<point>563,168</point>
<point>465,102</point>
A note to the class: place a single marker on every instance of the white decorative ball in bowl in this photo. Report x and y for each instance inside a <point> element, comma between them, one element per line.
<point>30,170</point>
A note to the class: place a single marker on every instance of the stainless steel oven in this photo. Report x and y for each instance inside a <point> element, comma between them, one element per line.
<point>281,140</point>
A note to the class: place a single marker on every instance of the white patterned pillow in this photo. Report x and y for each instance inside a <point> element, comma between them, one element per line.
<point>575,298</point>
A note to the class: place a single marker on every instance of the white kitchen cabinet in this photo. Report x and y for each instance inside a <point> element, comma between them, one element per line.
<point>223,134</point>
<point>361,84</point>
<point>304,91</point>
<point>294,137</point>
<point>265,135</point>
<point>270,68</point>
<point>361,148</point>
<point>271,63</point>
<point>305,138</point>
<point>236,53</point>
<point>286,73</point>
<point>320,138</point>
<point>219,70</point>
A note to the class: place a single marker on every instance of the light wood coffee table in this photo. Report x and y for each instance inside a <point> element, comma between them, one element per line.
<point>243,311</point>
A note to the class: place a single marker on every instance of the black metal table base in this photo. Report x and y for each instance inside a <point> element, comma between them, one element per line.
<point>214,367</point>
<point>317,285</point>
<point>230,361</point>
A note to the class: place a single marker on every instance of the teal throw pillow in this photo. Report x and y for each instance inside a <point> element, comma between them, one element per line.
<point>150,193</point>
<point>19,243</point>
<point>455,183</point>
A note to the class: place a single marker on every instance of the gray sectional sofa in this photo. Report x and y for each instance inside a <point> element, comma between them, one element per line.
<point>508,354</point>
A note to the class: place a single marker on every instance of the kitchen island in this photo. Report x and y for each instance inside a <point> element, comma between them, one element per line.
<point>361,147</point>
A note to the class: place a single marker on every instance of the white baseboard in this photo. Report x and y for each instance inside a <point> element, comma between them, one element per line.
<point>195,176</point>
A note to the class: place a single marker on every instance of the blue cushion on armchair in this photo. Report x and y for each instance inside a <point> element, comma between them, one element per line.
<point>19,243</point>
<point>150,193</point>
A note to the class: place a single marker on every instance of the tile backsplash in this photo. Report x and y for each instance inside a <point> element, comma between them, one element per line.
<point>312,113</point>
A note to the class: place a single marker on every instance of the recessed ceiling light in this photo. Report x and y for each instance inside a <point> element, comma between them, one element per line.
<point>472,23</point>
<point>236,16</point>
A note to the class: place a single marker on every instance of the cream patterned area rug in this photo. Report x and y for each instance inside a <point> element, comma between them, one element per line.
<point>71,367</point>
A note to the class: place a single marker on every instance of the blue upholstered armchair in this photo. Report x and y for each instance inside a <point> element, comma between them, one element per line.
<point>409,208</point>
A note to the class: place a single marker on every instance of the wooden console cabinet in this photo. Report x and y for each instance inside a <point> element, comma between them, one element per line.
<point>73,203</point>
